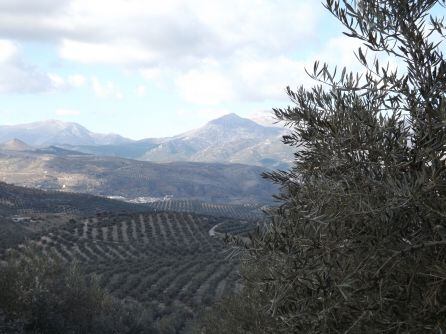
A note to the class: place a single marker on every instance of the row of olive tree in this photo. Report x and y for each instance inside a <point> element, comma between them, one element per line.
<point>359,244</point>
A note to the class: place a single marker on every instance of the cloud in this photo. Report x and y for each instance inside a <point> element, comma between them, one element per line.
<point>178,33</point>
<point>67,112</point>
<point>211,52</point>
<point>106,90</point>
<point>265,118</point>
<point>34,20</point>
<point>205,114</point>
<point>8,51</point>
<point>103,53</point>
<point>141,91</point>
<point>249,77</point>
<point>18,77</point>
<point>152,34</point>
<point>205,86</point>
<point>76,80</point>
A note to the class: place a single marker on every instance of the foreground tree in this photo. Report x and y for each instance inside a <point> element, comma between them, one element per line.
<point>359,244</point>
<point>38,294</point>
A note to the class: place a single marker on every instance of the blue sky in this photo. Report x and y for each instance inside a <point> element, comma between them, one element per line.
<point>145,68</point>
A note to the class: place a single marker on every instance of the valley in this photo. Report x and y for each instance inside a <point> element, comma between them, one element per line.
<point>147,219</point>
<point>161,255</point>
<point>166,261</point>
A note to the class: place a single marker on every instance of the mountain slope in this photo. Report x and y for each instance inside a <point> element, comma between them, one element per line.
<point>54,132</point>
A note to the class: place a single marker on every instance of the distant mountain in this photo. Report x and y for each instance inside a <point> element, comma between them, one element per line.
<point>54,132</point>
<point>229,139</point>
<point>64,170</point>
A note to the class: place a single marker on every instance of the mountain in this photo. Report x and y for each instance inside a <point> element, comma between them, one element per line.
<point>113,176</point>
<point>54,132</point>
<point>229,139</point>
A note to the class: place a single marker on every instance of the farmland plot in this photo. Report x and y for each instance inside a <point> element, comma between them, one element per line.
<point>167,261</point>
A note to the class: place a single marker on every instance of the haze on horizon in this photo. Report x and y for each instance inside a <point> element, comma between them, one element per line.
<point>144,68</point>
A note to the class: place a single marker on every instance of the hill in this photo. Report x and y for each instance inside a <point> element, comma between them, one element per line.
<point>15,145</point>
<point>63,170</point>
<point>16,200</point>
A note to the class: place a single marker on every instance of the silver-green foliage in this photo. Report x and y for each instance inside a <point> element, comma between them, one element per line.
<point>359,244</point>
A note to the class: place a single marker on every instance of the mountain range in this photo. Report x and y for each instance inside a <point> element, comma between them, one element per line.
<point>229,139</point>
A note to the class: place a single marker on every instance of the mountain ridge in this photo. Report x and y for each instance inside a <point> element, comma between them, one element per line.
<point>55,132</point>
<point>228,139</point>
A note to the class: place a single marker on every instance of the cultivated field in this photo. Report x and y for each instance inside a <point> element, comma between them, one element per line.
<point>167,261</point>
<point>234,211</point>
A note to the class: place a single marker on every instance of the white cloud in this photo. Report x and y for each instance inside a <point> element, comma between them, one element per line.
<point>170,39</point>
<point>76,80</point>
<point>8,51</point>
<point>261,79</point>
<point>103,53</point>
<point>211,51</point>
<point>57,81</point>
<point>206,114</point>
<point>67,112</point>
<point>249,77</point>
<point>18,77</point>
<point>71,81</point>
<point>206,86</point>
<point>176,32</point>
<point>141,91</point>
<point>106,90</point>
<point>266,118</point>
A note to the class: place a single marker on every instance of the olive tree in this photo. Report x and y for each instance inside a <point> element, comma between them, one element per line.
<point>359,244</point>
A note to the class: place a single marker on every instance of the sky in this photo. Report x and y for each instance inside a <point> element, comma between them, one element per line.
<point>150,68</point>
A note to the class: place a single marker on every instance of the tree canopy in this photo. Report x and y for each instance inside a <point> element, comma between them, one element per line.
<point>359,242</point>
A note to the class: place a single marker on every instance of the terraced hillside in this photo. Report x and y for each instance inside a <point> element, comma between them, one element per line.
<point>11,234</point>
<point>16,200</point>
<point>237,228</point>
<point>168,261</point>
<point>234,211</point>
